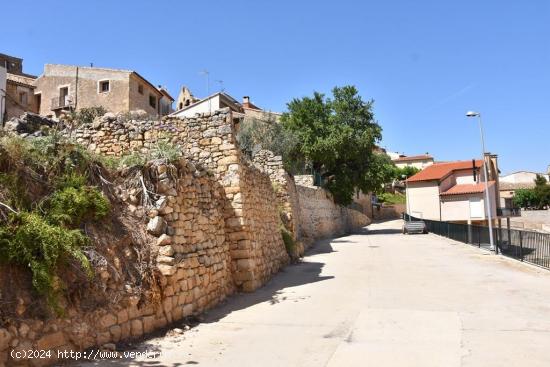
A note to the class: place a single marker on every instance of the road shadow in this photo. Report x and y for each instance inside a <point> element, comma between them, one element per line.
<point>300,273</point>
<point>368,231</point>
<point>294,275</point>
<point>323,246</point>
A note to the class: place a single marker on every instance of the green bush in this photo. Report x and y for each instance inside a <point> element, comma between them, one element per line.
<point>390,198</point>
<point>29,240</point>
<point>166,150</point>
<point>72,204</point>
<point>289,242</point>
<point>46,182</point>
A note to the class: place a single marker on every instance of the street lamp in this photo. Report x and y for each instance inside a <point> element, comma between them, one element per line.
<point>404,177</point>
<point>489,214</point>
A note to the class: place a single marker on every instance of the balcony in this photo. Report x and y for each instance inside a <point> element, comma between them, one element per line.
<point>60,103</point>
<point>509,212</point>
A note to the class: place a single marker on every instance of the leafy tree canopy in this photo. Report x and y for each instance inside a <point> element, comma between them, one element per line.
<point>337,136</point>
<point>538,197</point>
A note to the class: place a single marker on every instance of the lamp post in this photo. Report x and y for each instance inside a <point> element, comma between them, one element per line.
<point>404,177</point>
<point>487,198</point>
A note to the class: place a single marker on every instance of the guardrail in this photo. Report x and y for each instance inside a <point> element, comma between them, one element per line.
<point>529,246</point>
<point>509,212</point>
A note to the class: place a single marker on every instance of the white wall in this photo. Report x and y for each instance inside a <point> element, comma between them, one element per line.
<point>457,207</point>
<point>521,177</point>
<point>420,164</point>
<point>200,107</point>
<point>2,92</point>
<point>423,199</point>
<point>464,177</point>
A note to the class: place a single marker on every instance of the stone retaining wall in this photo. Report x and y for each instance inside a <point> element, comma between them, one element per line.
<point>215,219</point>
<point>187,217</point>
<point>320,217</point>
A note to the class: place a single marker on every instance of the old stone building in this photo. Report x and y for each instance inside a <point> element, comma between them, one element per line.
<point>67,87</point>
<point>18,92</point>
<point>185,98</point>
<point>165,103</point>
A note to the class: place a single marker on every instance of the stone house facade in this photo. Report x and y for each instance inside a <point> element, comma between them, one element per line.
<point>67,87</point>
<point>18,91</point>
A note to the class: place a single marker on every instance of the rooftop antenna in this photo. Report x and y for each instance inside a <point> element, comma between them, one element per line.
<point>220,82</point>
<point>207,73</point>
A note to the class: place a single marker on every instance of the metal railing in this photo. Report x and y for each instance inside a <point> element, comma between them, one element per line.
<point>508,212</point>
<point>60,102</point>
<point>529,246</point>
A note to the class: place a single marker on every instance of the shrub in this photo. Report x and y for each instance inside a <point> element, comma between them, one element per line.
<point>166,150</point>
<point>29,240</point>
<point>289,242</point>
<point>86,115</point>
<point>256,134</point>
<point>73,203</point>
<point>390,198</point>
<point>46,182</point>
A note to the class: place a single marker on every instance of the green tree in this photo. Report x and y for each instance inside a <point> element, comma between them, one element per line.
<point>540,180</point>
<point>406,171</point>
<point>525,198</point>
<point>541,192</point>
<point>337,136</point>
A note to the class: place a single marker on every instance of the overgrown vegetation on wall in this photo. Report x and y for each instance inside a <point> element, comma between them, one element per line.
<point>267,133</point>
<point>47,193</point>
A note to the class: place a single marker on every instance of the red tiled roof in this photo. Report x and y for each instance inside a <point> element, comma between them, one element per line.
<point>467,189</point>
<point>413,158</point>
<point>439,171</point>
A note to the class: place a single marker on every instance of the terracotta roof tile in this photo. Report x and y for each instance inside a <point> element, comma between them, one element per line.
<point>467,189</point>
<point>438,171</point>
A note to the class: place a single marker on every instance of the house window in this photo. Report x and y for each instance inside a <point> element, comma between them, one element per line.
<point>23,98</point>
<point>152,101</point>
<point>104,86</point>
<point>140,89</point>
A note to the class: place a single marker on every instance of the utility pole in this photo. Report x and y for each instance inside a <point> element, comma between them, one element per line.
<point>486,174</point>
<point>207,73</point>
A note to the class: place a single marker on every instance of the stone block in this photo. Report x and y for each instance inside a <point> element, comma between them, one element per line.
<point>5,338</point>
<point>164,240</point>
<point>136,328</point>
<point>156,226</point>
<point>51,341</point>
<point>148,324</point>
<point>122,316</point>
<point>107,321</point>
<point>116,332</point>
<point>167,270</point>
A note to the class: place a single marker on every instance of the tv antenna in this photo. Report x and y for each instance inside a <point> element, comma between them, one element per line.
<point>207,73</point>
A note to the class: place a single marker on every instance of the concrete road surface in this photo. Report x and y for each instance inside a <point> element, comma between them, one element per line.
<point>378,298</point>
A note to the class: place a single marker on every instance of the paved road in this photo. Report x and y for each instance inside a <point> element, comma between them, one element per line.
<point>378,299</point>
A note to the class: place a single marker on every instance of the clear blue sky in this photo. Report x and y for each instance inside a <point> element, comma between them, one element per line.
<point>425,63</point>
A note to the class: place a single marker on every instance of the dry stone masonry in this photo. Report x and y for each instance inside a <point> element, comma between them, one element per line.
<point>215,218</point>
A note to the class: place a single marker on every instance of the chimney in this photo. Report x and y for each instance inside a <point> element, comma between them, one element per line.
<point>474,169</point>
<point>246,100</point>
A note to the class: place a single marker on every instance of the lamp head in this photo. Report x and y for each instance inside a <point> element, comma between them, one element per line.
<point>472,114</point>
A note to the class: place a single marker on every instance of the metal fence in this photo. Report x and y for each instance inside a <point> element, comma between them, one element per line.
<point>529,246</point>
